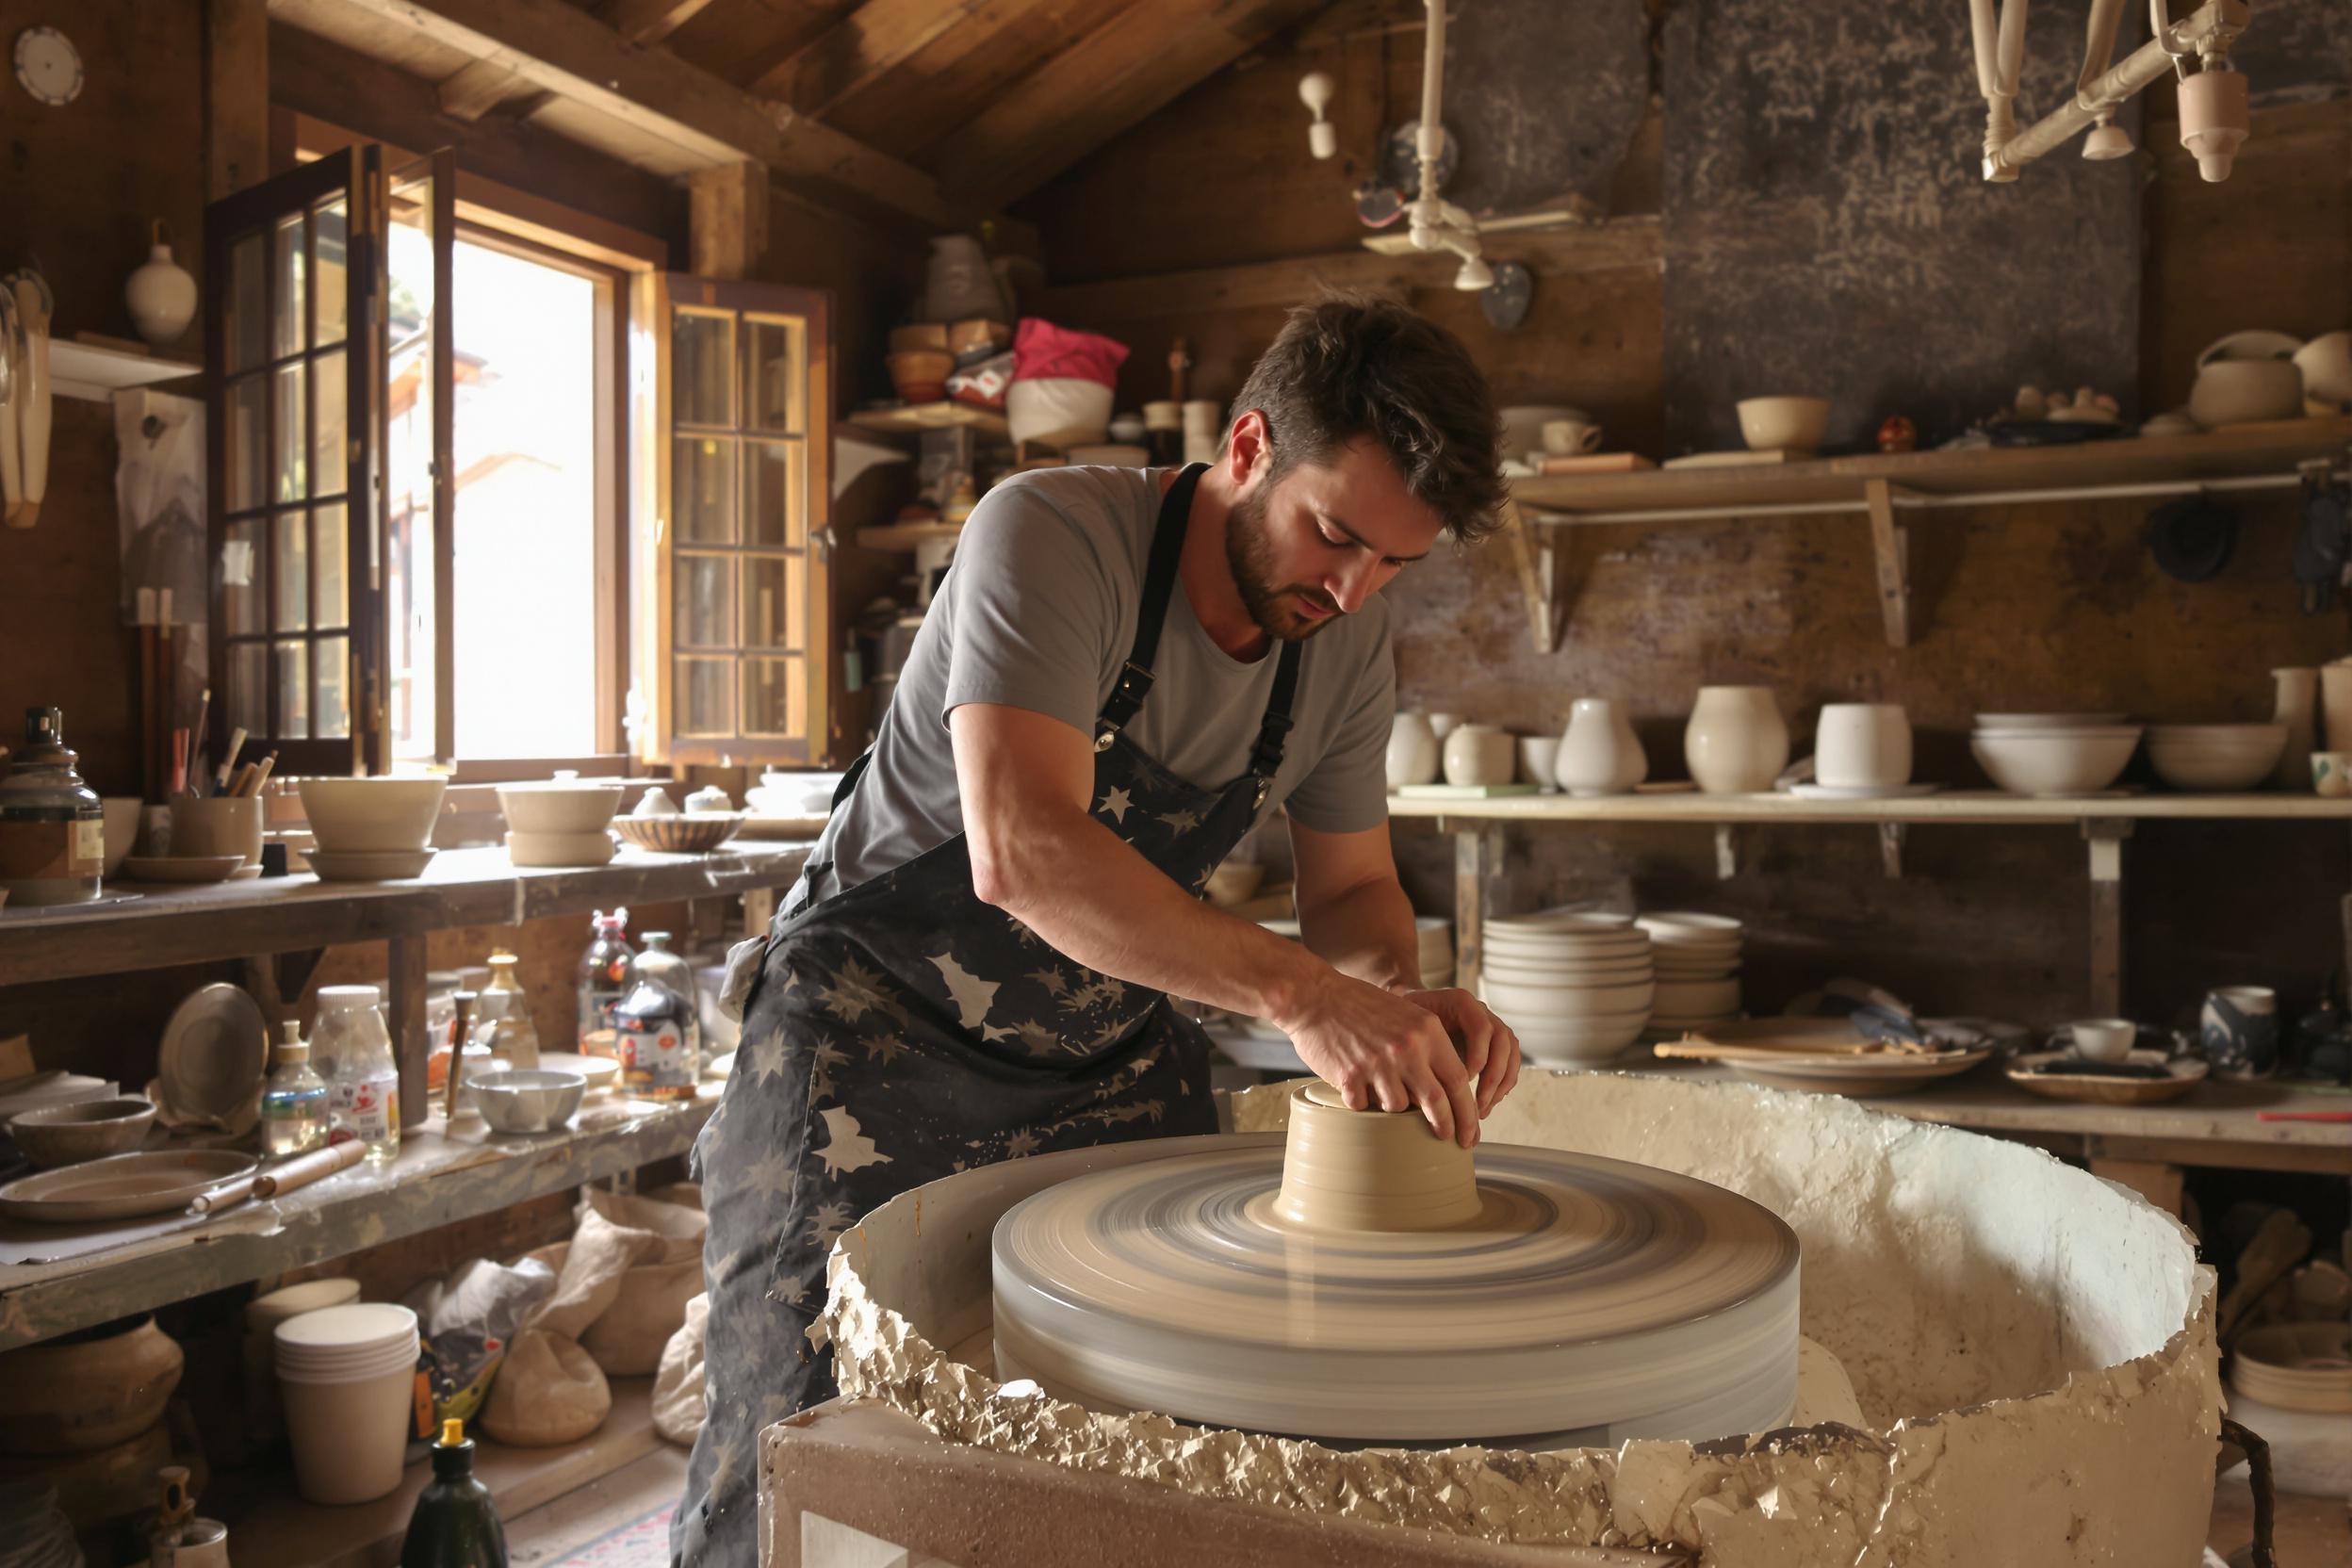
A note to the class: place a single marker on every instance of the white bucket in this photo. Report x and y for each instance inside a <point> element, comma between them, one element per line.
<point>348,1378</point>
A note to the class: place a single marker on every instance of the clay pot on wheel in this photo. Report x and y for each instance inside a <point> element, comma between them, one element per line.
<point>87,1391</point>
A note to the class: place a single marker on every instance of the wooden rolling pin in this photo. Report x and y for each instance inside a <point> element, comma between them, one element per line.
<point>300,1172</point>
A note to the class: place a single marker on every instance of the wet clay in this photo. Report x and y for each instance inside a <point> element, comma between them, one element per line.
<point>1367,1284</point>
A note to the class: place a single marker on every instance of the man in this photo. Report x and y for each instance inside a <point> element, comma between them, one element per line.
<point>1123,673</point>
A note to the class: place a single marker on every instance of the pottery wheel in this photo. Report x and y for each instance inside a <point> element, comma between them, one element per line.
<point>1568,1300</point>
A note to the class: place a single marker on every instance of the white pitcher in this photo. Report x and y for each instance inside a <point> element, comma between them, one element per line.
<point>1737,743</point>
<point>1599,753</point>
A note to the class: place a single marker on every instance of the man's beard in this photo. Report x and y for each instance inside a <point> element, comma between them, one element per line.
<point>1249,554</point>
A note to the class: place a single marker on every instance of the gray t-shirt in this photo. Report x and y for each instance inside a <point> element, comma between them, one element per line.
<point>1040,612</point>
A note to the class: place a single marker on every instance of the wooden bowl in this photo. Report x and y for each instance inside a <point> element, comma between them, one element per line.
<point>88,1130</point>
<point>921,376</point>
<point>686,833</point>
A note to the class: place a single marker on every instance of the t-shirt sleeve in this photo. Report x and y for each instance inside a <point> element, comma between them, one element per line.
<point>1033,606</point>
<point>1346,791</point>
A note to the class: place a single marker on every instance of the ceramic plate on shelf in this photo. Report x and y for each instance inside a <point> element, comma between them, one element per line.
<point>2180,1075</point>
<point>215,1049</point>
<point>182,868</point>
<point>1860,1076</point>
<point>1861,792</point>
<point>123,1186</point>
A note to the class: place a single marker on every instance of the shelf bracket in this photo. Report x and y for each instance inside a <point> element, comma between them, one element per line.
<point>1726,852</point>
<point>1890,542</point>
<point>2105,836</point>
<point>1890,837</point>
<point>1533,560</point>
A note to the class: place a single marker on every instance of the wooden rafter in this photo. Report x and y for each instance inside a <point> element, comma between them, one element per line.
<point>475,89</point>
<point>646,22</point>
<point>574,55</point>
<point>1124,71</point>
<point>869,42</point>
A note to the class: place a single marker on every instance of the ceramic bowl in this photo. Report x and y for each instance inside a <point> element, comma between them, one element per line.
<point>1059,410</point>
<point>1556,1045</point>
<point>2327,365</point>
<point>686,833</point>
<point>2305,1367</point>
<point>2102,1040</point>
<point>2246,391</point>
<point>920,375</point>
<point>1771,424</point>
<point>2054,762</point>
<point>372,815</point>
<point>86,1130</point>
<point>594,848</point>
<point>2002,723</point>
<point>2215,756</point>
<point>559,806</point>
<point>121,829</point>
<point>1523,426</point>
<point>538,1100</point>
<point>1566,1001</point>
<point>373,865</point>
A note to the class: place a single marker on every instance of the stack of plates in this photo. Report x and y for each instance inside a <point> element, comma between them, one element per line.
<point>1575,987</point>
<point>34,1530</point>
<point>1698,960</point>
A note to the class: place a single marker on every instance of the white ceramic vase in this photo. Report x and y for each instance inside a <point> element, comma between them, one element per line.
<point>1480,754</point>
<point>1413,755</point>
<point>161,294</point>
<point>2298,710</point>
<point>1737,743</point>
<point>1599,753</point>
<point>1862,746</point>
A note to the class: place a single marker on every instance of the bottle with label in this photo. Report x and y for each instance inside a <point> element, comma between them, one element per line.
<point>354,1053</point>
<point>650,1024</point>
<point>504,1012</point>
<point>53,830</point>
<point>294,1118</point>
<point>657,962</point>
<point>603,980</point>
<point>455,1523</point>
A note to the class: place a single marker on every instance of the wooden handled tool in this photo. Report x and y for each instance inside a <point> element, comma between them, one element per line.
<point>300,1172</point>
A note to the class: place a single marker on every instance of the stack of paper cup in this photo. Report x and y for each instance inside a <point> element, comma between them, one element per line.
<point>346,1376</point>
<point>1205,424</point>
<point>264,1421</point>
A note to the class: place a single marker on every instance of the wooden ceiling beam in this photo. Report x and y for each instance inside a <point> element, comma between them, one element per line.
<point>646,22</point>
<point>1123,71</point>
<point>475,89</point>
<point>574,55</point>
<point>869,42</point>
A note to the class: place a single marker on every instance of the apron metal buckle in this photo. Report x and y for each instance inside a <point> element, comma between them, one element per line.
<point>1102,741</point>
<point>1264,785</point>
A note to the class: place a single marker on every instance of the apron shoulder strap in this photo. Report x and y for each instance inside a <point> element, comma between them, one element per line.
<point>1159,584</point>
<point>1265,758</point>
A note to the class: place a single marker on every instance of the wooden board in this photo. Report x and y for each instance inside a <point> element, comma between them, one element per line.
<point>1544,99</point>
<point>1827,232</point>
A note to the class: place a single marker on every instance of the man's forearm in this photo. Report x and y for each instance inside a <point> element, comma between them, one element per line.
<point>1367,931</point>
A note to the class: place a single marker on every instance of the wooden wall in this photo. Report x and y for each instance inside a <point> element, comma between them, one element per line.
<point>1202,220</point>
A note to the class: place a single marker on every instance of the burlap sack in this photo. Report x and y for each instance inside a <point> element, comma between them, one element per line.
<point>677,1405</point>
<point>600,1252</point>
<point>679,1219</point>
<point>549,1391</point>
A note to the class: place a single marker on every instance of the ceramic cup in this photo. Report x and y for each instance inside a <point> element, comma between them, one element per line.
<point>2239,1028</point>
<point>2332,774</point>
<point>1862,746</point>
<point>1568,437</point>
<point>218,825</point>
<point>1537,755</point>
<point>2103,1040</point>
<point>1479,754</point>
<point>1442,725</point>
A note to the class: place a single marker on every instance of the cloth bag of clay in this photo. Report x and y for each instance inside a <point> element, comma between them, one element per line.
<point>589,1278</point>
<point>629,1337</point>
<point>467,1321</point>
<point>551,1392</point>
<point>677,1406</point>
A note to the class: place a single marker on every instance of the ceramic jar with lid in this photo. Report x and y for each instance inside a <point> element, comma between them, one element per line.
<point>1737,743</point>
<point>1599,754</point>
<point>53,828</point>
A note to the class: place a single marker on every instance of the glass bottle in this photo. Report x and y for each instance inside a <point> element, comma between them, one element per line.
<point>455,1523</point>
<point>355,1059</point>
<point>504,1009</point>
<point>649,1025</point>
<point>657,962</point>
<point>603,980</point>
<point>53,830</point>
<point>294,1118</point>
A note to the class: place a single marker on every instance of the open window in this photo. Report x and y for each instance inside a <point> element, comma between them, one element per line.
<point>739,668</point>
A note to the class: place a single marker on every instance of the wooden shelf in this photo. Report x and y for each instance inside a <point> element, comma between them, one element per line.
<point>1953,807</point>
<point>906,537</point>
<point>96,372</point>
<point>439,1177</point>
<point>915,417</point>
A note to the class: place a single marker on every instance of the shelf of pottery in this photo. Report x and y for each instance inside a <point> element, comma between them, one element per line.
<point>2046,769</point>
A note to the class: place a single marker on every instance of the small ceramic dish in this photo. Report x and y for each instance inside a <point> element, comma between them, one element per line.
<point>180,867</point>
<point>88,1130</point>
<point>121,1186</point>
<point>2180,1075</point>
<point>536,1101</point>
<point>2305,1367</point>
<point>601,1072</point>
<point>389,865</point>
<point>558,849</point>
<point>687,833</point>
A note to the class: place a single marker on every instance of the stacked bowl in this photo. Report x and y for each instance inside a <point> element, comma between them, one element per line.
<point>2054,754</point>
<point>2216,756</point>
<point>1437,950</point>
<point>371,829</point>
<point>346,1377</point>
<point>1696,960</point>
<point>564,820</point>
<point>1574,986</point>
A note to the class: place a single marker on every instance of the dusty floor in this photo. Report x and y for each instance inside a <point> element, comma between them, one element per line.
<point>549,1533</point>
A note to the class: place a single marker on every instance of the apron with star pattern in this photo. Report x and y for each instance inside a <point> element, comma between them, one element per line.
<point>903,1030</point>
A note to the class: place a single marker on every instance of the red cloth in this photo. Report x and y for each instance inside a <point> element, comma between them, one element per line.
<point>1042,351</point>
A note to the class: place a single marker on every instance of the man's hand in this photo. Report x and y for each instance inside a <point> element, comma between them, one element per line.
<point>1397,1050</point>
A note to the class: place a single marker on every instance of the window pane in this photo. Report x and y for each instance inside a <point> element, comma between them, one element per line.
<point>330,464</point>
<point>290,481</point>
<point>242,483</point>
<point>703,489</point>
<point>292,566</point>
<point>330,565</point>
<point>248,319</point>
<point>249,691</point>
<point>289,269</point>
<point>776,514</point>
<point>704,616</point>
<point>774,693</point>
<point>705,696</point>
<point>241,578</point>
<point>702,370</point>
<point>778,371</point>
<point>772,607</point>
<point>335,674</point>
<point>293,689</point>
<point>329,230</point>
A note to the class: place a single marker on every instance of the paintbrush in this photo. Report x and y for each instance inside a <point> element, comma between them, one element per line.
<point>228,759</point>
<point>261,774</point>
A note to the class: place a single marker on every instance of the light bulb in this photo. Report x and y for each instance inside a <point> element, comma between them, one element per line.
<point>1474,275</point>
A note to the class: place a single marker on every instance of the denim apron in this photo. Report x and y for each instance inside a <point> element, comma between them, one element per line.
<point>903,1030</point>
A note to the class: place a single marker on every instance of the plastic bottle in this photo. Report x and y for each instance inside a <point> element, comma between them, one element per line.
<point>603,980</point>
<point>355,1059</point>
<point>504,1013</point>
<point>455,1523</point>
<point>657,962</point>
<point>651,1026</point>
<point>294,1115</point>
